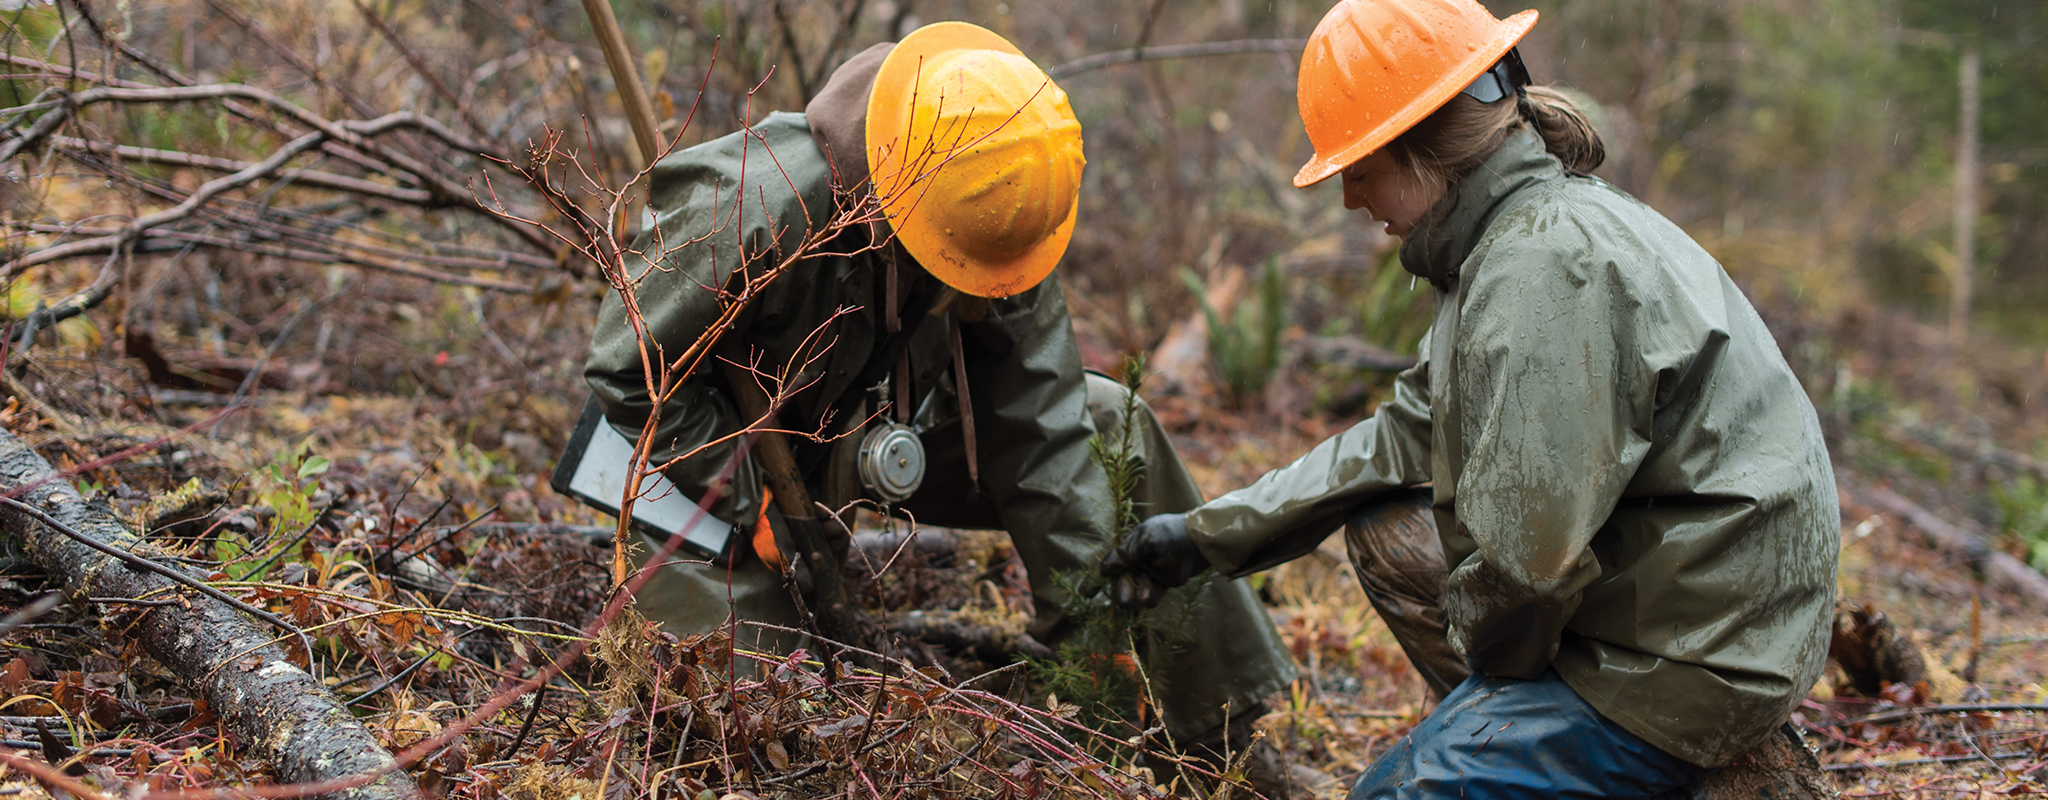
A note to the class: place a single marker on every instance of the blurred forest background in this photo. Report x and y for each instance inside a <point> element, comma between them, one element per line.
<point>1812,145</point>
<point>326,247</point>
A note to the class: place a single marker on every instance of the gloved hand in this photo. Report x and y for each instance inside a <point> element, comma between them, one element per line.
<point>1154,557</point>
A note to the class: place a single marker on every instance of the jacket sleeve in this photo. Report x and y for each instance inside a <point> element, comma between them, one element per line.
<point>1030,400</point>
<point>1554,415</point>
<point>728,203</point>
<point>1310,497</point>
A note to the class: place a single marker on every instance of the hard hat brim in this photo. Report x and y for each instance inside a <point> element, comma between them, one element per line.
<point>1323,165</point>
<point>894,91</point>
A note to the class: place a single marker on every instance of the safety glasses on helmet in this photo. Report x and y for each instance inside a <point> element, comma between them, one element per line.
<point>1507,75</point>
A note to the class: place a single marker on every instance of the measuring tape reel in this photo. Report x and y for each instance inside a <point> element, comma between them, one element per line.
<point>891,462</point>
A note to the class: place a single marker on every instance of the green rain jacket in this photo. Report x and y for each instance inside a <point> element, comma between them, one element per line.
<point>1023,367</point>
<point>1630,485</point>
<point>767,187</point>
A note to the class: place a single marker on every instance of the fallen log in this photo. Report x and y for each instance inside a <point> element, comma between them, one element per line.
<point>1981,452</point>
<point>973,632</point>
<point>1354,353</point>
<point>1998,569</point>
<point>276,708</point>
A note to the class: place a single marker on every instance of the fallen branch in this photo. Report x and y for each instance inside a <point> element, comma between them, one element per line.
<point>325,249</point>
<point>235,107</point>
<point>965,631</point>
<point>1353,353</point>
<point>350,132</point>
<point>1781,767</point>
<point>1966,708</point>
<point>549,528</point>
<point>275,707</point>
<point>135,228</point>
<point>1197,49</point>
<point>1996,568</point>
<point>1917,762</point>
<point>41,606</point>
<point>303,177</point>
<point>1982,451</point>
<point>172,241</point>
<point>349,140</point>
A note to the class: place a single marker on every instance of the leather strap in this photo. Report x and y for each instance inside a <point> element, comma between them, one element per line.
<point>966,404</point>
<point>881,360</point>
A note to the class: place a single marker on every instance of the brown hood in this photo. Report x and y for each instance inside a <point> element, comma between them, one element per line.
<point>839,114</point>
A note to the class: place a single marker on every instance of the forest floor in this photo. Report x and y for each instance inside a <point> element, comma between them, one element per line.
<point>314,506</point>
<point>381,480</point>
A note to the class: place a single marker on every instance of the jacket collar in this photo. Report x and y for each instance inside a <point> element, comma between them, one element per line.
<point>838,116</point>
<point>1453,227</point>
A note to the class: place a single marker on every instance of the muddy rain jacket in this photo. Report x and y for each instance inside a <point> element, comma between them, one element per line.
<point>1023,367</point>
<point>1031,399</point>
<point>1630,485</point>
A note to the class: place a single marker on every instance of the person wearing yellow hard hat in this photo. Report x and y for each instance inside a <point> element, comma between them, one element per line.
<point>1598,514</point>
<point>949,339</point>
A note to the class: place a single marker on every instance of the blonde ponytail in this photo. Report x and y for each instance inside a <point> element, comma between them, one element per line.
<point>1566,131</point>
<point>1455,139</point>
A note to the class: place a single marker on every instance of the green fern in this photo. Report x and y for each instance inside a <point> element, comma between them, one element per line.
<point>1246,350</point>
<point>1391,313</point>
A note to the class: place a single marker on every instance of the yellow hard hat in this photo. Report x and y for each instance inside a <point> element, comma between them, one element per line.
<point>976,157</point>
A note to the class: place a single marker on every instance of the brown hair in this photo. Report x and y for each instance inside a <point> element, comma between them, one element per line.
<point>1455,139</point>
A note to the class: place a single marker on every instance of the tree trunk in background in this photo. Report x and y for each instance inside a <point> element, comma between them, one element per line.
<point>1965,278</point>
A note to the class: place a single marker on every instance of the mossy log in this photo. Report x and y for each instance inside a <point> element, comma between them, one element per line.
<point>274,707</point>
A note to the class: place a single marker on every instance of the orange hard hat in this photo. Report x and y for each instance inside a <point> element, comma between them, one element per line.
<point>976,157</point>
<point>1374,68</point>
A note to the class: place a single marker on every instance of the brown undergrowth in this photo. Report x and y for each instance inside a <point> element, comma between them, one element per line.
<point>425,596</point>
<point>402,367</point>
<point>363,536</point>
<point>432,571</point>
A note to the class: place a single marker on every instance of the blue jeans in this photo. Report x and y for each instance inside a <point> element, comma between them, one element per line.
<point>1506,738</point>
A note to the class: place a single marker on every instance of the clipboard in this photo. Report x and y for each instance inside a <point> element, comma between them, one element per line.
<point>593,468</point>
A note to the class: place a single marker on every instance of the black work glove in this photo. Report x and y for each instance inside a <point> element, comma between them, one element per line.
<point>1154,557</point>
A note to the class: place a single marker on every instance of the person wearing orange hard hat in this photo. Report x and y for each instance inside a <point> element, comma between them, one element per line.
<point>951,347</point>
<point>1599,513</point>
